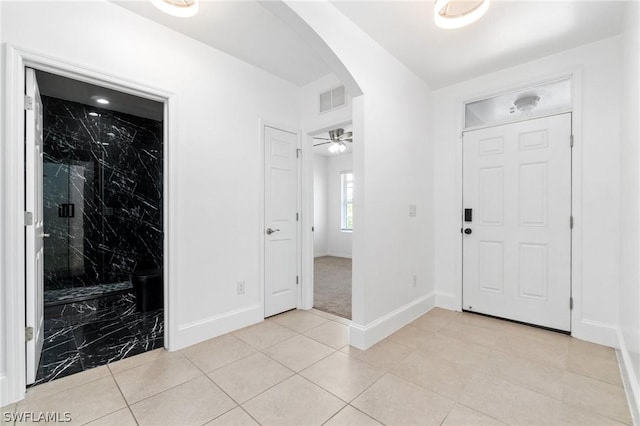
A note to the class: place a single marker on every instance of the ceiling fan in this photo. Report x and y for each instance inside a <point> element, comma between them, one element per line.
<point>337,139</point>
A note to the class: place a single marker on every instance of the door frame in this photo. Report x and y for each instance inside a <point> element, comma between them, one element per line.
<point>302,286</point>
<point>575,75</point>
<point>12,249</point>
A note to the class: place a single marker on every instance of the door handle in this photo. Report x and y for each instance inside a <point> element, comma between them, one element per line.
<point>271,231</point>
<point>46,235</point>
<point>467,231</point>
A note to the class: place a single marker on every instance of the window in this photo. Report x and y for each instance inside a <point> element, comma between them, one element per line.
<point>346,178</point>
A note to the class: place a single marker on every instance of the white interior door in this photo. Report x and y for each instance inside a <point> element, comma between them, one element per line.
<point>517,256</point>
<point>35,232</point>
<point>280,227</point>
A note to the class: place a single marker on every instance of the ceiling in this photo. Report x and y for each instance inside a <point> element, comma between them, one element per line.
<point>511,32</point>
<point>60,87</point>
<point>246,30</point>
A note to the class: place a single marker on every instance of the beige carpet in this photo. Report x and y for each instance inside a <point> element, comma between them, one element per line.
<point>332,285</point>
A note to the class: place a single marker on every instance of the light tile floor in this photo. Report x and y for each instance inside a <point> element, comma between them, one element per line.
<point>445,368</point>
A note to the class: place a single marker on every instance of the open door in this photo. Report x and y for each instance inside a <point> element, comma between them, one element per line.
<point>34,230</point>
<point>281,249</point>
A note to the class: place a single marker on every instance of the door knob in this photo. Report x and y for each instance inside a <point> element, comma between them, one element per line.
<point>271,231</point>
<point>467,231</point>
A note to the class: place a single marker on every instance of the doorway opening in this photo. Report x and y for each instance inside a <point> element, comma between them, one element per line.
<point>333,220</point>
<point>101,195</point>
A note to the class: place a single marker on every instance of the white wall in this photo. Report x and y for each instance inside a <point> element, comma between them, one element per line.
<point>629,317</point>
<point>328,207</point>
<point>216,162</point>
<point>595,289</point>
<point>389,247</point>
<point>320,205</point>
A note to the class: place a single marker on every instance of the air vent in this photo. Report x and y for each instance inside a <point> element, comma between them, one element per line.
<point>332,99</point>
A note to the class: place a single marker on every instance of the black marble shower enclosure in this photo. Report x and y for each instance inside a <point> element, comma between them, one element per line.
<point>103,191</point>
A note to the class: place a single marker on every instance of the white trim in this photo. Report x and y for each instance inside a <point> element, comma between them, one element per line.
<point>446,301</point>
<point>575,75</point>
<point>596,332</point>
<point>261,213</point>
<point>16,59</point>
<point>343,255</point>
<point>191,333</point>
<point>629,378</point>
<point>363,337</point>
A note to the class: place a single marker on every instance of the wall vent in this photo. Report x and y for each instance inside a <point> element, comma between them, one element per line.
<point>332,99</point>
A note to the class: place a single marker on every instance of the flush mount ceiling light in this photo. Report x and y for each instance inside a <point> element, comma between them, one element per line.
<point>179,8</point>
<point>451,14</point>
<point>102,101</point>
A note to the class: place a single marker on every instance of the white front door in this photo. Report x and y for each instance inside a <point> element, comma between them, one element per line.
<point>517,240</point>
<point>280,227</point>
<point>34,232</point>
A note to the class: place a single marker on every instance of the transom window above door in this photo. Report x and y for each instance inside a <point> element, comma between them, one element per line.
<point>535,101</point>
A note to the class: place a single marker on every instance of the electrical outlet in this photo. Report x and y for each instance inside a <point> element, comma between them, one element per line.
<point>241,287</point>
<point>415,281</point>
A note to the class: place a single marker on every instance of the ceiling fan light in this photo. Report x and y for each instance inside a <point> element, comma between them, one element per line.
<point>342,147</point>
<point>179,8</point>
<point>453,21</point>
<point>334,148</point>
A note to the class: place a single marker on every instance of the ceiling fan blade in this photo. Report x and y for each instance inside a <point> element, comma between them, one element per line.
<point>321,143</point>
<point>322,139</point>
<point>346,135</point>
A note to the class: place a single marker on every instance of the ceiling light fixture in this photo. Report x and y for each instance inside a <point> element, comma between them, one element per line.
<point>445,17</point>
<point>93,114</point>
<point>526,103</point>
<point>179,8</point>
<point>102,101</point>
<point>337,148</point>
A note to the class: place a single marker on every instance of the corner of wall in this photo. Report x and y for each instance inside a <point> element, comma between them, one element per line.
<point>365,336</point>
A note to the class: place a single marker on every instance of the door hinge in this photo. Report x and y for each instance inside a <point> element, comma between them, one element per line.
<point>571,303</point>
<point>28,103</point>
<point>28,334</point>
<point>571,140</point>
<point>297,217</point>
<point>297,279</point>
<point>28,218</point>
<point>298,152</point>
<point>570,222</point>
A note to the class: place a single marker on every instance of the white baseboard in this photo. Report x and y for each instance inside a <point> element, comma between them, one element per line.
<point>208,328</point>
<point>320,254</point>
<point>363,337</point>
<point>447,301</point>
<point>596,332</point>
<point>629,379</point>
<point>344,255</point>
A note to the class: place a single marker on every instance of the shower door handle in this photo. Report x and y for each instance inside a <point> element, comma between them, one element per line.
<point>46,235</point>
